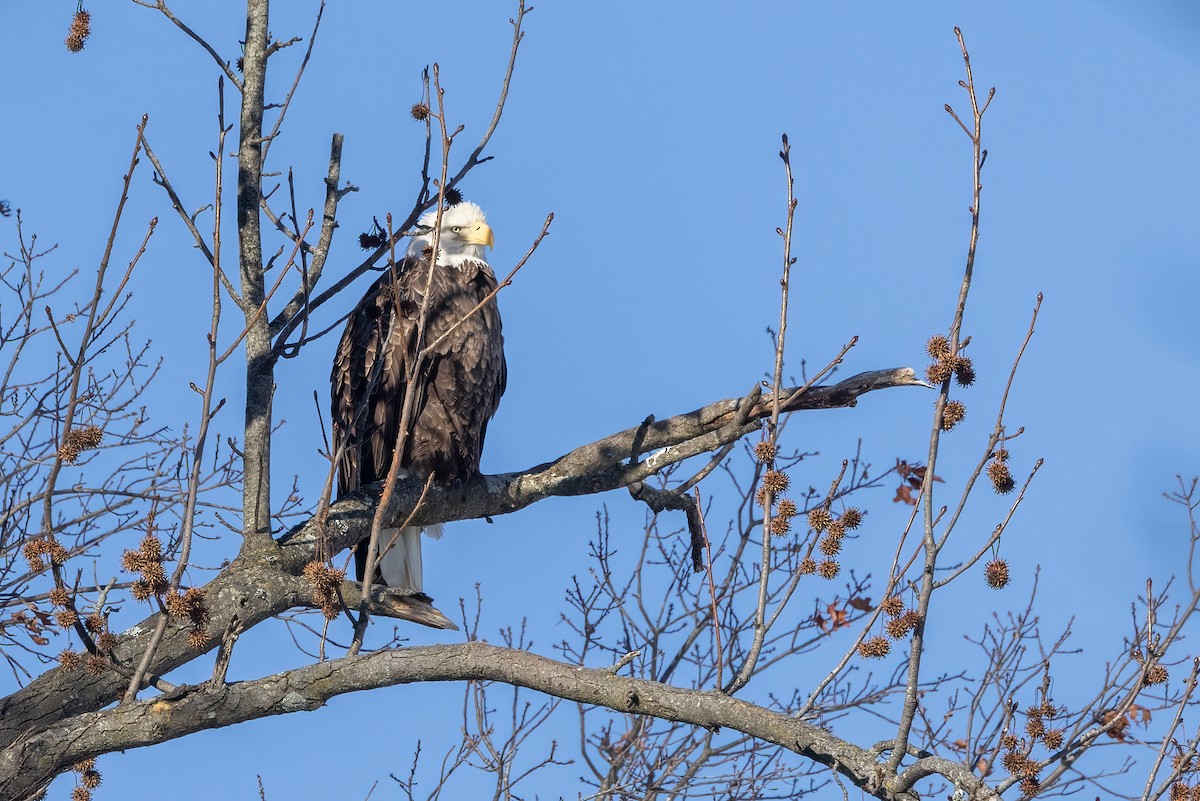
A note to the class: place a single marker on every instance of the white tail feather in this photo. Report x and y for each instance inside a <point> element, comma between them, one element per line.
<point>400,564</point>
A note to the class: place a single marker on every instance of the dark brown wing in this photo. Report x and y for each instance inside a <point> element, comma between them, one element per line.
<point>458,389</point>
<point>361,365</point>
<point>465,377</point>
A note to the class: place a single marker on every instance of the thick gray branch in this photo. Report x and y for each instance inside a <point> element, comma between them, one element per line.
<point>607,464</point>
<point>260,375</point>
<point>190,709</point>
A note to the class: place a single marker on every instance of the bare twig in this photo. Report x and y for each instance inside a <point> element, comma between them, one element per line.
<point>777,404</point>
<point>221,63</point>
<point>96,320</point>
<point>712,591</point>
<point>916,651</point>
<point>287,101</point>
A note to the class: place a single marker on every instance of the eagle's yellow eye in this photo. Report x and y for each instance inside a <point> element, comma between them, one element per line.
<point>456,228</point>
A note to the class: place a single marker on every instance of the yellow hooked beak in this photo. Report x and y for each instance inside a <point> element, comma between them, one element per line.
<point>479,234</point>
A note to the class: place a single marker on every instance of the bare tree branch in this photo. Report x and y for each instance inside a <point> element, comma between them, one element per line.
<point>39,756</point>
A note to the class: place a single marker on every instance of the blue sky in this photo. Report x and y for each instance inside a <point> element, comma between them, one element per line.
<point>651,132</point>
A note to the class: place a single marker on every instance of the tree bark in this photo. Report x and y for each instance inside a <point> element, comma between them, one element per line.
<point>260,367</point>
<point>37,758</point>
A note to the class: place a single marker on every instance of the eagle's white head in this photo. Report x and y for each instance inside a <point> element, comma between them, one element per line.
<point>465,235</point>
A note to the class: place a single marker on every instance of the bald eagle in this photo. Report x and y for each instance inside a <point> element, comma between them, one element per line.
<point>457,389</point>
